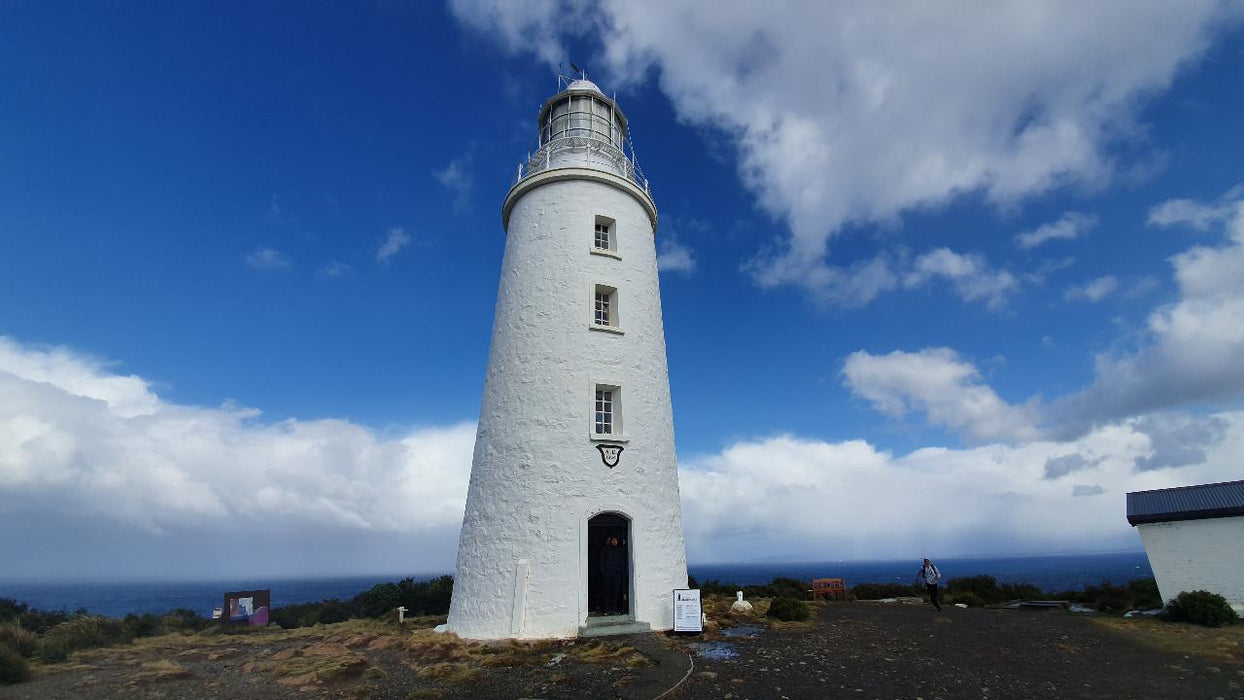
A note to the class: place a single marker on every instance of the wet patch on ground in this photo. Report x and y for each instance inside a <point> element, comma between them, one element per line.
<point>716,651</point>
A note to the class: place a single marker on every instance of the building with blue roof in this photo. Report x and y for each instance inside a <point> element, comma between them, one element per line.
<point>1192,536</point>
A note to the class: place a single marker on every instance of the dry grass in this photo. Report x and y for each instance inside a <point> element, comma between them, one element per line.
<point>428,621</point>
<point>425,694</point>
<point>598,652</point>
<point>431,647</point>
<point>507,659</point>
<point>453,673</point>
<point>19,639</point>
<point>156,671</point>
<point>1224,644</point>
<point>302,670</point>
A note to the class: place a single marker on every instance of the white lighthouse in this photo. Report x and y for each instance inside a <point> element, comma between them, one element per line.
<point>576,438</point>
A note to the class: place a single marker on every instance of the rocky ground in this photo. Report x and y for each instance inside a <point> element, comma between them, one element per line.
<point>357,659</point>
<point>851,650</point>
<point>873,650</point>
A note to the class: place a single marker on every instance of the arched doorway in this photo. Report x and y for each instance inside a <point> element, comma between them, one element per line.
<point>608,573</point>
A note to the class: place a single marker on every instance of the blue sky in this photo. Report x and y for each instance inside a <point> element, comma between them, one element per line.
<point>912,262</point>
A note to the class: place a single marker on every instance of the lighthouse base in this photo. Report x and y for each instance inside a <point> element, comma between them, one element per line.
<point>609,626</point>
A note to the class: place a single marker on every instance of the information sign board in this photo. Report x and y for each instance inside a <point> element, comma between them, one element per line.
<point>687,611</point>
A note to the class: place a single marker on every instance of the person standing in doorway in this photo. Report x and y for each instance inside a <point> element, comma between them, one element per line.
<point>613,572</point>
<point>930,576</point>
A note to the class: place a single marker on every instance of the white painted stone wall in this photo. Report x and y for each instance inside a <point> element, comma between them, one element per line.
<point>536,477</point>
<point>1197,555</point>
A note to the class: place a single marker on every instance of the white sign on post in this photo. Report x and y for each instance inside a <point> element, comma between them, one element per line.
<point>687,610</point>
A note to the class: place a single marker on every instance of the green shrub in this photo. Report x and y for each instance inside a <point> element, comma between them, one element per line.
<point>184,620</point>
<point>714,587</point>
<point>985,590</point>
<point>54,651</point>
<point>19,639</point>
<point>30,618</point>
<point>13,668</point>
<point>788,610</point>
<point>147,625</point>
<point>1145,593</point>
<point>794,588</point>
<point>1020,591</point>
<point>425,597</point>
<point>43,620</point>
<point>1109,598</point>
<point>10,609</point>
<point>1201,608</point>
<point>379,600</point>
<point>83,632</point>
<point>152,625</point>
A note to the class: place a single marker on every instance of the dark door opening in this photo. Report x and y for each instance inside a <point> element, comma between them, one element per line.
<point>608,572</point>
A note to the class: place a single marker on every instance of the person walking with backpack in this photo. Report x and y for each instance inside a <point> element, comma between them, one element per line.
<point>930,576</point>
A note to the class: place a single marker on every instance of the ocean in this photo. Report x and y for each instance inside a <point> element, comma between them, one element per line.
<point>1050,573</point>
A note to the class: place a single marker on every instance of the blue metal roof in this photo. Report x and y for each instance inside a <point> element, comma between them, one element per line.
<point>1220,500</point>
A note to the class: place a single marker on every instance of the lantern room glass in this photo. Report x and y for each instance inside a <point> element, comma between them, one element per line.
<point>582,116</point>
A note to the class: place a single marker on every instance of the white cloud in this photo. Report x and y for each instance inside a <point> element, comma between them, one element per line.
<point>175,485</point>
<point>1192,346</point>
<point>970,275</point>
<point>848,113</point>
<point>755,498</point>
<point>947,390</point>
<point>394,242</point>
<point>1068,227</point>
<point>81,375</point>
<point>533,26</point>
<point>1057,467</point>
<point>856,284</point>
<point>1198,215</point>
<point>457,178</point>
<point>1188,356</point>
<point>77,440</point>
<point>1177,440</point>
<point>336,269</point>
<point>673,256</point>
<point>268,259</point>
<point>1093,291</point>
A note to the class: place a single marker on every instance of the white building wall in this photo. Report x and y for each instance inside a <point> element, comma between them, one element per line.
<point>1197,555</point>
<point>537,477</point>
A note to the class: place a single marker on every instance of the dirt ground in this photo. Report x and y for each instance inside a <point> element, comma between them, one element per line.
<point>356,659</point>
<point>874,650</point>
<point>849,650</point>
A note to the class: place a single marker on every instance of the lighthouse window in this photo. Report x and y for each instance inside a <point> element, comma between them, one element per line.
<point>604,307</point>
<point>603,317</point>
<point>604,410</point>
<point>604,238</point>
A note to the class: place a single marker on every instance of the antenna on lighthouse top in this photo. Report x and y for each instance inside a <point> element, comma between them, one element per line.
<point>579,81</point>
